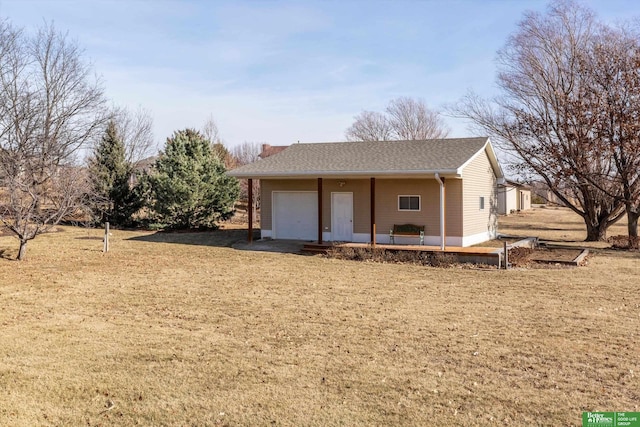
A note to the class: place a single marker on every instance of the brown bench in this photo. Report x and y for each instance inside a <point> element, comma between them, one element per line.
<point>406,230</point>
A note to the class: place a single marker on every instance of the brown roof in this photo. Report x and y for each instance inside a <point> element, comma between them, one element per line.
<point>387,158</point>
<point>270,150</point>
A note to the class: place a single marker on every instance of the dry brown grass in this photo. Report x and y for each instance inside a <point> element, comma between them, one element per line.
<point>183,330</point>
<point>556,224</point>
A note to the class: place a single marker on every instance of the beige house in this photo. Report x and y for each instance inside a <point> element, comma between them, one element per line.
<point>358,191</point>
<point>513,197</point>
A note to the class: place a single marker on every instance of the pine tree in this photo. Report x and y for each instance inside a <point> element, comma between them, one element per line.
<point>115,200</point>
<point>188,186</point>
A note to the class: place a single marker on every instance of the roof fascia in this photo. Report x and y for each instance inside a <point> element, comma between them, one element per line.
<point>451,173</point>
<point>493,159</point>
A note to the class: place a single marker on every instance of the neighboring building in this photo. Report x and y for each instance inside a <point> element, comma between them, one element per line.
<point>270,150</point>
<point>141,167</point>
<point>513,197</point>
<point>542,194</point>
<point>357,191</point>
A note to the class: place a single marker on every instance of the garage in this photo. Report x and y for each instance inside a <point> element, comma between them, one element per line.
<point>295,215</point>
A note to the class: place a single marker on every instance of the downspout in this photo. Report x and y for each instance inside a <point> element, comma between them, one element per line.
<point>442,236</point>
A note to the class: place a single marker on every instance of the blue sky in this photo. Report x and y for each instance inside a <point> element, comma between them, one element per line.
<point>285,71</point>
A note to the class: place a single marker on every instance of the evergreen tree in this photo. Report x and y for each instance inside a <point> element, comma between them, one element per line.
<point>188,186</point>
<point>115,200</point>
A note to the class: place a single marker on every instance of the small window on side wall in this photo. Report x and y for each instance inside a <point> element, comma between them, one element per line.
<point>408,203</point>
<point>482,203</point>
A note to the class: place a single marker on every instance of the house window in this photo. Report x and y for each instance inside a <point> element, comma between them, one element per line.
<point>408,203</point>
<point>482,203</point>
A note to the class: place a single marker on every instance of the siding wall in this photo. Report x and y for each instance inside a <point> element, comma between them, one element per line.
<point>507,199</point>
<point>479,180</point>
<point>387,213</point>
<point>361,207</point>
<point>454,205</point>
<point>387,192</point>
<point>267,186</point>
<point>524,199</point>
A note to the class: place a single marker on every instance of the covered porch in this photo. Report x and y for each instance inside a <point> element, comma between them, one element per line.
<point>367,199</point>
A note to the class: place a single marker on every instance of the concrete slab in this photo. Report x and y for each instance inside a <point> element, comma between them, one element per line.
<point>268,245</point>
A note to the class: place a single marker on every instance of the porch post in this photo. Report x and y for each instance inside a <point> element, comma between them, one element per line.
<point>319,210</point>
<point>250,208</point>
<point>442,212</point>
<point>372,200</point>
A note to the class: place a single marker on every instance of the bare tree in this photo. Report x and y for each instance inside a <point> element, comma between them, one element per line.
<point>245,153</point>
<point>410,119</point>
<point>222,152</point>
<point>370,126</point>
<point>546,117</point>
<point>405,119</point>
<point>613,62</point>
<point>135,128</point>
<point>49,108</point>
<point>210,131</point>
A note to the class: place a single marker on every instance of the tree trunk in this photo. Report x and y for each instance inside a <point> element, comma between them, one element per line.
<point>596,232</point>
<point>632,222</point>
<point>23,250</point>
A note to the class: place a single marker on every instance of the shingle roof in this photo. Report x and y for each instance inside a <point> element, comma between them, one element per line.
<point>270,150</point>
<point>368,158</point>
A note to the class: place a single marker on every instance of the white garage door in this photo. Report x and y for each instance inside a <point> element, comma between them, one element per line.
<point>295,215</point>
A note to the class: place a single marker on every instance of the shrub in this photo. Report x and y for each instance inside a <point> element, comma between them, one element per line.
<point>188,186</point>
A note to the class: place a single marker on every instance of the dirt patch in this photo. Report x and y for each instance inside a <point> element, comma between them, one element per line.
<point>559,255</point>
<point>543,257</point>
<point>433,259</point>
<point>520,257</point>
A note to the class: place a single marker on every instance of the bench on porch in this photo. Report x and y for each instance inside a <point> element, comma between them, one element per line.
<point>406,230</point>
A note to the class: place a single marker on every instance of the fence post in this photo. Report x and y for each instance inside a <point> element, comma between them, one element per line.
<point>105,247</point>
<point>506,256</point>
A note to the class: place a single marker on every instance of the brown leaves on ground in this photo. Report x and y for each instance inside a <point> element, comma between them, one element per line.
<point>624,242</point>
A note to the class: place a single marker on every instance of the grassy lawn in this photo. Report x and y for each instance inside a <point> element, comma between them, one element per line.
<point>181,329</point>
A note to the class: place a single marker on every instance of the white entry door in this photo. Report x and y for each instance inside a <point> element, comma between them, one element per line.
<point>342,217</point>
<point>295,215</point>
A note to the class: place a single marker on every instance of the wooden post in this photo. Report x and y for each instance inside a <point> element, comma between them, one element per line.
<point>442,212</point>
<point>506,255</point>
<point>373,242</point>
<point>444,220</point>
<point>372,200</point>
<point>319,210</point>
<point>105,247</point>
<point>250,209</point>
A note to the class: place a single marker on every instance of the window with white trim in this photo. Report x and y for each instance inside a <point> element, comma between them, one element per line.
<point>481,203</point>
<point>408,203</point>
